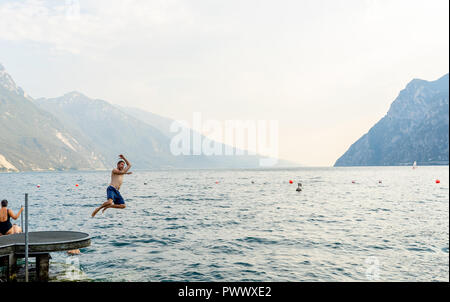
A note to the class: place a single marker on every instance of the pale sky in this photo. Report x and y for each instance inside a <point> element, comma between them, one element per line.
<point>327,70</point>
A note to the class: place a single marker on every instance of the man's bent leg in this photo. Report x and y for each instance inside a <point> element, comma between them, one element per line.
<point>105,204</point>
<point>115,206</point>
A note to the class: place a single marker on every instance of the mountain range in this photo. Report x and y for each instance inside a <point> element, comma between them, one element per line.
<point>33,139</point>
<point>415,128</point>
<point>75,132</point>
<point>80,133</point>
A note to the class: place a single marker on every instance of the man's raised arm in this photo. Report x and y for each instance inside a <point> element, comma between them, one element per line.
<point>125,170</point>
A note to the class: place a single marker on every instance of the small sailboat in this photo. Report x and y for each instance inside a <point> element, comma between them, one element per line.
<point>414,165</point>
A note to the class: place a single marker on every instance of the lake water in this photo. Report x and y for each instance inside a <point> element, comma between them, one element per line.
<point>183,226</point>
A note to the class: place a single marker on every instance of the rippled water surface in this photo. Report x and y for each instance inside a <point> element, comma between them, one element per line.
<point>183,226</point>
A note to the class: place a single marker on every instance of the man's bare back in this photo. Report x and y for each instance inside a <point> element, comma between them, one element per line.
<point>115,200</point>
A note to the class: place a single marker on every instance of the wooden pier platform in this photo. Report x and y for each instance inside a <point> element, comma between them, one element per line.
<point>40,245</point>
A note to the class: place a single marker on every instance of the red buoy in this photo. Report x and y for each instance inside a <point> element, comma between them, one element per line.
<point>353,182</point>
<point>438,181</point>
<point>291,182</point>
<point>38,186</point>
<point>76,185</point>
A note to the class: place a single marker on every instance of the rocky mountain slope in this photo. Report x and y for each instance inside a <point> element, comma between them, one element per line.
<point>110,131</point>
<point>414,129</point>
<point>33,139</point>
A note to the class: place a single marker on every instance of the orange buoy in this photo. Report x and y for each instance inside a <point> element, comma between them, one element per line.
<point>438,181</point>
<point>291,182</point>
<point>217,182</point>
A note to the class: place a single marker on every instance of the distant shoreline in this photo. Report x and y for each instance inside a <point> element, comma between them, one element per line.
<point>430,164</point>
<point>222,169</point>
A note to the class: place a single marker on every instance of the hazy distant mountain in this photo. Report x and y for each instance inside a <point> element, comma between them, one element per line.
<point>110,130</point>
<point>414,129</point>
<point>33,139</point>
<point>159,122</point>
<point>163,124</point>
<point>76,132</point>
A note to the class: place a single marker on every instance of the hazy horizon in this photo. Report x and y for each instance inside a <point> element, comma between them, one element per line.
<point>326,70</point>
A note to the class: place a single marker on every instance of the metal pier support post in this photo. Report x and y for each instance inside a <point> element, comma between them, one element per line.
<point>26,237</point>
<point>21,219</point>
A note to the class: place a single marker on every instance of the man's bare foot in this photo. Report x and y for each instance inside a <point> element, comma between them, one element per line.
<point>104,209</point>
<point>74,252</point>
<point>95,212</point>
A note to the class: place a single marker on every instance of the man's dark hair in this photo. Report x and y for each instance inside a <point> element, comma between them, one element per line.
<point>4,203</point>
<point>120,161</point>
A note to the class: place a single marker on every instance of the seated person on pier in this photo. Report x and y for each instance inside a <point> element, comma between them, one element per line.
<point>6,228</point>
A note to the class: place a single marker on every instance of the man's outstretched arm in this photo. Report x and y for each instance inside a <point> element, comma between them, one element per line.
<point>118,172</point>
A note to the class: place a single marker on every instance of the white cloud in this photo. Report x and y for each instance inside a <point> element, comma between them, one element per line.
<point>100,26</point>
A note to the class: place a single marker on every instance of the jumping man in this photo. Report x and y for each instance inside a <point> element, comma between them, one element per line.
<point>115,200</point>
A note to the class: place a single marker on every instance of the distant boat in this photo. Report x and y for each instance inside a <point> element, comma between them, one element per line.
<point>414,165</point>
